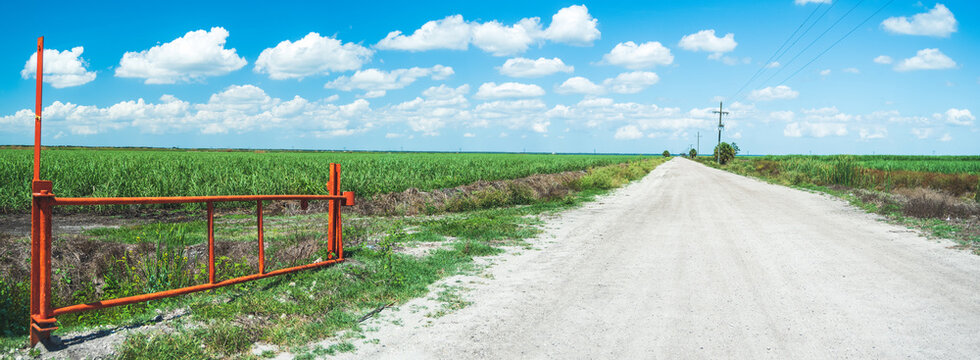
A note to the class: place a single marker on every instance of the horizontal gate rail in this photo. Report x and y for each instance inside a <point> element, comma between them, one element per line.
<point>196,199</point>
<point>42,319</point>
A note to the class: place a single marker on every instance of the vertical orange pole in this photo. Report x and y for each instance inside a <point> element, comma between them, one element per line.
<point>40,326</point>
<point>261,244</point>
<point>331,211</point>
<point>41,321</point>
<point>210,242</point>
<point>339,244</point>
<point>35,269</point>
<point>45,247</point>
<point>37,109</point>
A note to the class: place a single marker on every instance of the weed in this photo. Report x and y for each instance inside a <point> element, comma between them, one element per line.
<point>451,300</point>
<point>163,346</point>
<point>14,306</point>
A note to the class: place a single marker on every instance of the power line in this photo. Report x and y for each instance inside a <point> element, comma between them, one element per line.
<point>814,41</point>
<point>814,24</point>
<point>837,42</point>
<point>771,57</point>
<point>802,35</point>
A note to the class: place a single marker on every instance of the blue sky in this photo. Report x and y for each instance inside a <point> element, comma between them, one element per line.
<point>538,76</point>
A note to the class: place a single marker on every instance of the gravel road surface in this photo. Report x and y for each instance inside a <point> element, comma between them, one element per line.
<point>693,262</point>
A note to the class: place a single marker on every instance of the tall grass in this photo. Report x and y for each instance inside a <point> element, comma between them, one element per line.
<point>936,164</point>
<point>956,175</point>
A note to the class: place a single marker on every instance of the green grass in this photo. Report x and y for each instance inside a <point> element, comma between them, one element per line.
<point>292,310</point>
<point>119,173</point>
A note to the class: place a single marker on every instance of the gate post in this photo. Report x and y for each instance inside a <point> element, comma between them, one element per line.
<point>334,230</point>
<point>42,196</point>
<point>42,323</point>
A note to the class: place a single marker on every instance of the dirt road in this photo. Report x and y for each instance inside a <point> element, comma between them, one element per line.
<point>693,262</point>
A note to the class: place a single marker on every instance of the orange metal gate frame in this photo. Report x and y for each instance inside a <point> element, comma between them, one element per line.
<point>42,321</point>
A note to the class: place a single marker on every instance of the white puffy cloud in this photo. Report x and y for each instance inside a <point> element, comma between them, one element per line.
<point>895,117</point>
<point>824,72</point>
<point>773,93</point>
<point>819,130</point>
<point>501,40</point>
<point>527,68</point>
<point>946,137</point>
<point>237,108</point>
<point>511,105</point>
<point>596,112</point>
<point>705,40</point>
<point>633,56</point>
<point>437,94</point>
<point>527,114</point>
<point>450,33</point>
<point>774,64</point>
<point>883,59</point>
<point>596,102</point>
<point>631,82</point>
<point>311,55</point>
<point>785,116</point>
<point>579,85</point>
<point>921,133</point>
<point>591,113</point>
<point>61,68</point>
<point>376,82</point>
<point>628,132</point>
<point>937,22</point>
<point>926,59</point>
<point>194,56</point>
<point>428,114</point>
<point>624,83</point>
<point>491,90</point>
<point>247,107</point>
<point>21,120</point>
<point>827,114</point>
<point>959,117</point>
<point>572,25</point>
<point>804,2</point>
<point>876,132</point>
<point>851,70</point>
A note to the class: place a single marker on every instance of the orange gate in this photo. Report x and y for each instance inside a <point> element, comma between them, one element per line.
<point>42,319</point>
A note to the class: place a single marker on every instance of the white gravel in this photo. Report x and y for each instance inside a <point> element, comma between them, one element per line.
<point>693,262</point>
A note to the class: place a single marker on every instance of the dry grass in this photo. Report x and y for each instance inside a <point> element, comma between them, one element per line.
<point>414,202</point>
<point>928,203</point>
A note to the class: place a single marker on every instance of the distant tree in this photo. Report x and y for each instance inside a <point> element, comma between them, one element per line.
<point>737,150</point>
<point>724,153</point>
<point>666,153</point>
<point>693,153</point>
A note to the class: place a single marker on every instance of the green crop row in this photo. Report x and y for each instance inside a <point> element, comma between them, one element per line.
<point>121,173</point>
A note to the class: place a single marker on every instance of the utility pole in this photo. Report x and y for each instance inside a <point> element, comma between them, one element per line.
<point>699,143</point>
<point>720,112</point>
<point>721,126</point>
